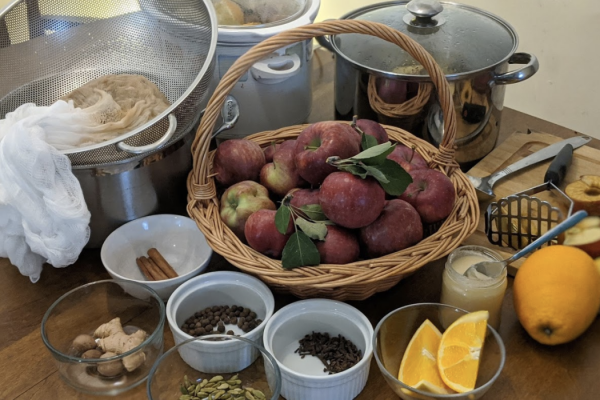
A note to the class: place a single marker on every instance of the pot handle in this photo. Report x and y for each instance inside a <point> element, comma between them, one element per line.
<point>325,40</point>
<point>276,69</point>
<point>152,146</point>
<point>521,74</point>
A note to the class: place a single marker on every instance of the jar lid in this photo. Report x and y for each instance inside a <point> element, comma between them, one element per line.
<point>256,13</point>
<point>462,39</point>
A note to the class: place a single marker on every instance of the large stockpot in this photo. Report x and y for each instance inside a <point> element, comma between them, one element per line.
<point>376,80</point>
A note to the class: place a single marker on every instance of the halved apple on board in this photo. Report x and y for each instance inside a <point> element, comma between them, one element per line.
<point>585,194</point>
<point>585,235</point>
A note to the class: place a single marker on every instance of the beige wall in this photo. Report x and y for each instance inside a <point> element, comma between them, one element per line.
<point>564,36</point>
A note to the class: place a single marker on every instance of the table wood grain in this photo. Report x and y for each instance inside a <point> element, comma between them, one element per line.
<point>532,371</point>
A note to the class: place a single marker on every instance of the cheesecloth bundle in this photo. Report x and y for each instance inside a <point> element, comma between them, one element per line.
<point>43,214</point>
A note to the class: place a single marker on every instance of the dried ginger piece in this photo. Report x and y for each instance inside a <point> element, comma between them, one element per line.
<point>114,339</point>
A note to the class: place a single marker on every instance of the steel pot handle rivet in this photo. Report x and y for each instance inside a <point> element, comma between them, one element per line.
<point>531,67</point>
<point>152,146</point>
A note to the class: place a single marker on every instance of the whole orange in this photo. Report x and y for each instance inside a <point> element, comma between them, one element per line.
<point>557,294</point>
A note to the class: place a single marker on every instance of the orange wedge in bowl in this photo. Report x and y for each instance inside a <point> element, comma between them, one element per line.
<point>459,351</point>
<point>418,368</point>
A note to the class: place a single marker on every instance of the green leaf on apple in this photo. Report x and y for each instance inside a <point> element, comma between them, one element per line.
<point>367,141</point>
<point>354,169</point>
<point>314,230</point>
<point>299,251</point>
<point>398,178</point>
<point>282,218</point>
<point>375,155</point>
<point>376,173</point>
<point>313,211</point>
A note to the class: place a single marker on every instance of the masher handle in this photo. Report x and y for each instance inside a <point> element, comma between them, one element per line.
<point>546,237</point>
<point>558,167</point>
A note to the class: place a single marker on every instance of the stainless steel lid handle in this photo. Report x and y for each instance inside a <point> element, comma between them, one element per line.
<point>423,13</point>
<point>424,8</point>
<point>531,67</point>
<point>152,146</point>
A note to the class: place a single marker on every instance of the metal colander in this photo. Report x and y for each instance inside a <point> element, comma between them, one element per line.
<point>48,48</point>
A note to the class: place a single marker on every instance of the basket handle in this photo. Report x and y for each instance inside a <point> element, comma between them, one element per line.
<point>203,187</point>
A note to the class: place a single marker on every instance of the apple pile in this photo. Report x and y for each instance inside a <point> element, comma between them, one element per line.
<point>344,192</point>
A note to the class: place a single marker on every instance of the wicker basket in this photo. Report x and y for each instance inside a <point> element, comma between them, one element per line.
<point>361,279</point>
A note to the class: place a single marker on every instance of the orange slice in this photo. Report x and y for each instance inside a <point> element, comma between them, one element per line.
<point>418,368</point>
<point>460,347</point>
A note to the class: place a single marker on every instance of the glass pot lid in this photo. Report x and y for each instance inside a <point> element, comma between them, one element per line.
<point>257,13</point>
<point>462,39</point>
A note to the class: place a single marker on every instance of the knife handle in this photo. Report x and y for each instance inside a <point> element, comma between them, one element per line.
<point>558,167</point>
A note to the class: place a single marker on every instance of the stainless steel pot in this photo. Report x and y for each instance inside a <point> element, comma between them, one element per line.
<point>375,79</point>
<point>118,193</point>
<point>154,182</point>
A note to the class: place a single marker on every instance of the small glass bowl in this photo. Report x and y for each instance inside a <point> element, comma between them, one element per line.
<point>82,311</point>
<point>192,359</point>
<point>394,331</point>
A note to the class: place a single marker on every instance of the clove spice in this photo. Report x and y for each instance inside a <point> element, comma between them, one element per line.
<point>336,353</point>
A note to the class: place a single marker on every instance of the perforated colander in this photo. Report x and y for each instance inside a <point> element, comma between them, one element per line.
<point>48,48</point>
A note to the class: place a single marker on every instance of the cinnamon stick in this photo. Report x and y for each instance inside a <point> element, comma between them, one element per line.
<point>160,261</point>
<point>144,270</point>
<point>153,269</point>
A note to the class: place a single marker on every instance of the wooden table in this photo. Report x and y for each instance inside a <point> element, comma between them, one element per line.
<point>532,371</point>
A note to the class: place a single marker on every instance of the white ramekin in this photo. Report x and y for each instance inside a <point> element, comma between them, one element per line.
<point>287,326</point>
<point>218,289</point>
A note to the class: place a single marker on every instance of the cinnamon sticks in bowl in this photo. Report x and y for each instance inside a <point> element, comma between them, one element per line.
<point>155,267</point>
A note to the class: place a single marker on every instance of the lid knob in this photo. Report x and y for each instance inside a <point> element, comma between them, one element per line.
<point>424,8</point>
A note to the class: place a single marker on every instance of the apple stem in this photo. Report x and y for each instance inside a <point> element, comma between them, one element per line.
<point>333,160</point>
<point>548,331</point>
<point>286,200</point>
<point>412,154</point>
<point>354,126</point>
<point>311,147</point>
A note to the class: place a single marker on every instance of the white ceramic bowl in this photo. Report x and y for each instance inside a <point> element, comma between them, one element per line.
<point>220,289</point>
<point>177,238</point>
<point>304,378</point>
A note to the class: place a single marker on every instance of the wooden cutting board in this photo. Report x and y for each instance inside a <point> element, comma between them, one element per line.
<point>586,161</point>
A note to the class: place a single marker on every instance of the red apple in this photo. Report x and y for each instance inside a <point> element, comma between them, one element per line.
<point>392,91</point>
<point>431,193</point>
<point>237,160</point>
<point>585,235</point>
<point>303,197</point>
<point>241,200</point>
<point>281,175</point>
<point>398,227</point>
<point>407,158</point>
<point>370,127</point>
<point>339,247</point>
<point>322,140</point>
<point>262,234</point>
<point>270,150</point>
<point>351,201</point>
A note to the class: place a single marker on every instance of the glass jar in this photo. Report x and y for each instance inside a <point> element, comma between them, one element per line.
<point>473,294</point>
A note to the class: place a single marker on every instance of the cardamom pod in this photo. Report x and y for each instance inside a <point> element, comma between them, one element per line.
<point>249,396</point>
<point>259,395</point>
<point>217,378</point>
